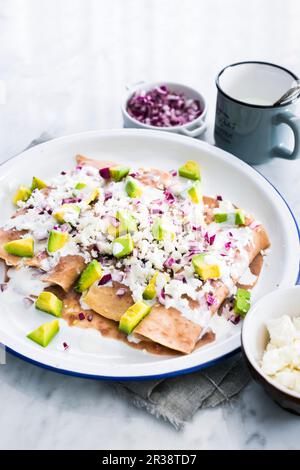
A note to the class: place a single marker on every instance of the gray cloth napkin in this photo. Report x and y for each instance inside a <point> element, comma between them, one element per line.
<point>177,399</point>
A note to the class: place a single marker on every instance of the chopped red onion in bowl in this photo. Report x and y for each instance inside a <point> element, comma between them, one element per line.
<point>163,107</point>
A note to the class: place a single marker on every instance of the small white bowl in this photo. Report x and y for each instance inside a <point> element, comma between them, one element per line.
<point>193,128</point>
<point>255,338</point>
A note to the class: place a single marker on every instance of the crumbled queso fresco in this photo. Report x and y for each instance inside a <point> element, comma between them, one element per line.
<point>186,233</point>
<point>281,359</point>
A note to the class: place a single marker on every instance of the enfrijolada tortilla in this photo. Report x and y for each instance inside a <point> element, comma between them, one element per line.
<point>137,252</point>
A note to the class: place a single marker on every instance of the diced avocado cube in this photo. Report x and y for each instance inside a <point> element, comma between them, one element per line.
<point>44,333</point>
<point>190,170</point>
<point>112,230</point>
<point>23,194</point>
<point>150,291</point>
<point>160,231</point>
<point>195,192</point>
<point>127,222</point>
<point>133,316</point>
<point>23,247</point>
<point>220,217</point>
<point>80,186</point>
<point>93,196</point>
<point>239,217</point>
<point>49,303</point>
<point>242,302</point>
<point>205,270</point>
<point>67,213</point>
<point>122,246</point>
<point>57,240</point>
<point>91,274</point>
<point>37,184</point>
<point>118,172</point>
<point>132,188</point>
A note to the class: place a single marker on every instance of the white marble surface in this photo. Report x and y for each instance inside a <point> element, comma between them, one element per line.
<point>64,64</point>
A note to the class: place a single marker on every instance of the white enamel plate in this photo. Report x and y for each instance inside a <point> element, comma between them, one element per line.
<point>91,355</point>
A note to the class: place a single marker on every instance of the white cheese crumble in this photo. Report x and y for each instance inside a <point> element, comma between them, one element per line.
<point>281,359</point>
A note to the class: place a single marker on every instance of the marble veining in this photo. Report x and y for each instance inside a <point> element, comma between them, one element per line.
<point>63,67</point>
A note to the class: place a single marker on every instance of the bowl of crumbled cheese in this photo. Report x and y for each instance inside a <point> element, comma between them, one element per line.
<point>271,345</point>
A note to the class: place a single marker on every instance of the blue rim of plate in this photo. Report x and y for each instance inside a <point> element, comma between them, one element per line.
<point>157,376</point>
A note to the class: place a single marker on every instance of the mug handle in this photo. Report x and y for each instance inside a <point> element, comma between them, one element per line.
<point>194,132</point>
<point>293,122</point>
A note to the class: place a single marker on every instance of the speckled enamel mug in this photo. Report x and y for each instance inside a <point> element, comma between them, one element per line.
<point>247,122</point>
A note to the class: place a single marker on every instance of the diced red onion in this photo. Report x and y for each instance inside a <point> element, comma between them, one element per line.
<point>235,319</point>
<point>157,211</point>
<point>208,239</point>
<point>105,173</point>
<point>169,196</point>
<point>196,229</point>
<point>78,167</point>
<point>90,317</point>
<point>71,200</point>
<point>134,175</point>
<point>219,198</point>
<point>63,172</point>
<point>230,234</point>
<point>227,246</point>
<point>28,302</point>
<point>3,287</point>
<point>169,262</point>
<point>162,296</point>
<point>161,107</point>
<point>107,196</point>
<point>104,279</point>
<point>212,239</point>
<point>65,346</point>
<point>210,299</point>
<point>81,316</point>
<point>174,173</point>
<point>120,292</point>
